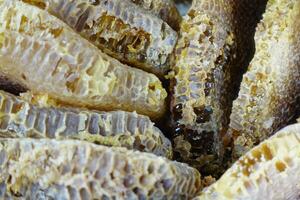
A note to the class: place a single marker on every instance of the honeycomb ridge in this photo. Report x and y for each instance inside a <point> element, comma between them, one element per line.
<point>19,118</point>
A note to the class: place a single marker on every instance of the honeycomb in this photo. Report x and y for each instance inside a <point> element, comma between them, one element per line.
<point>205,77</point>
<point>120,28</point>
<point>44,55</point>
<point>268,171</point>
<point>165,9</point>
<point>72,169</point>
<point>19,118</point>
<point>82,81</point>
<point>270,89</point>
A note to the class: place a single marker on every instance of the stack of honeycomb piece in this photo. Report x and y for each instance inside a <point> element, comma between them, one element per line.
<point>83,81</point>
<point>70,57</point>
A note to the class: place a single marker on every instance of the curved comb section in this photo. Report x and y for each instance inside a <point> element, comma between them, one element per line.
<point>212,49</point>
<point>270,89</point>
<point>270,170</point>
<point>43,54</point>
<point>120,28</point>
<point>70,169</point>
<point>19,118</point>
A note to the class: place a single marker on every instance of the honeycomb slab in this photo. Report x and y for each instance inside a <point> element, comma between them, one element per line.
<point>44,55</point>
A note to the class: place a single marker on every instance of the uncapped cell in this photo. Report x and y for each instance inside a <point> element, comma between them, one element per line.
<point>165,9</point>
<point>72,169</point>
<point>270,89</point>
<point>270,170</point>
<point>120,28</point>
<point>19,118</point>
<point>44,55</point>
<point>214,43</point>
<point>10,86</point>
